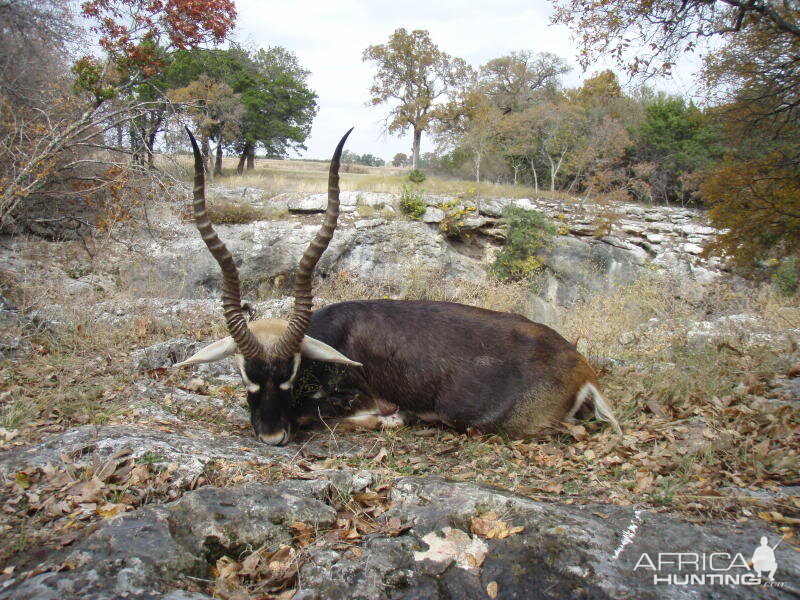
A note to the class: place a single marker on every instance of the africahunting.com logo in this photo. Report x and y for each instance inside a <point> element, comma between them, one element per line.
<point>714,568</point>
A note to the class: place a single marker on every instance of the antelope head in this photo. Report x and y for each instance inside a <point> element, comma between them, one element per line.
<point>268,352</point>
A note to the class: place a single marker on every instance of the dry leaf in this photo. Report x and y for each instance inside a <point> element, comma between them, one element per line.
<point>250,565</point>
<point>776,517</point>
<point>106,470</point>
<point>451,545</point>
<point>490,526</point>
<point>644,482</point>
<point>380,456</point>
<point>368,498</point>
<point>303,534</point>
<point>21,479</point>
<point>578,432</point>
<point>87,491</point>
<point>491,589</point>
<point>553,487</point>
<point>110,510</point>
<point>227,568</point>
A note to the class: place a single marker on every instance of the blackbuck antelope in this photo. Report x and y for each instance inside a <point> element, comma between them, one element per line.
<point>380,361</point>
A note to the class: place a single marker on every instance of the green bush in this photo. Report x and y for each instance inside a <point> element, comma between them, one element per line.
<point>412,202</point>
<point>787,276</point>
<point>416,176</point>
<point>529,231</point>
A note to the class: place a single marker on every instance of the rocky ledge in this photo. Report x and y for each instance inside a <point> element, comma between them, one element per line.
<point>438,539</point>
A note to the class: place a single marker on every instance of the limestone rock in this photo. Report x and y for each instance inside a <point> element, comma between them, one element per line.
<point>432,215</point>
<point>163,354</point>
<point>593,551</point>
<point>309,204</point>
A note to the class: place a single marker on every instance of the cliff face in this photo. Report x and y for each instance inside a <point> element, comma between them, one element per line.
<point>598,247</point>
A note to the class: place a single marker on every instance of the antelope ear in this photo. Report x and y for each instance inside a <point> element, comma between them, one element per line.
<point>211,353</point>
<point>316,350</point>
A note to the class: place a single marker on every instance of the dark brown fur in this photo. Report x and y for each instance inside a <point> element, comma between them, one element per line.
<point>497,372</point>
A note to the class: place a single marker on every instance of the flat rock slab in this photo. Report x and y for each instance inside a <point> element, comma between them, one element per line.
<point>591,552</point>
<point>190,451</point>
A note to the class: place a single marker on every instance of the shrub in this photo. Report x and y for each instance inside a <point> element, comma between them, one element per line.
<point>416,176</point>
<point>452,225</point>
<point>787,276</point>
<point>529,231</point>
<point>412,202</point>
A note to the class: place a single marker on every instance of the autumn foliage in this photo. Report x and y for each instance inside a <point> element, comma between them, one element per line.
<point>136,29</point>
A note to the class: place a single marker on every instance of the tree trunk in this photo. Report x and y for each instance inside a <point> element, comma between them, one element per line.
<point>136,146</point>
<point>415,148</point>
<point>205,150</point>
<point>477,160</point>
<point>516,165</point>
<point>218,163</point>
<point>251,158</point>
<point>243,158</point>
<point>150,142</point>
<point>554,168</point>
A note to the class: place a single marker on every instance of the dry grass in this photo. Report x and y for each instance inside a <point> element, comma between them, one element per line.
<point>78,371</point>
<point>279,176</point>
<point>705,427</point>
<point>419,282</point>
<point>239,212</point>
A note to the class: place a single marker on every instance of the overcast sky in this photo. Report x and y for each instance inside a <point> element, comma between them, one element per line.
<point>329,37</point>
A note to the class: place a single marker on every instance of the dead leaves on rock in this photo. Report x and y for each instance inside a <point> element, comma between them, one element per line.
<point>75,493</point>
<point>489,525</point>
<point>268,573</point>
<point>258,574</point>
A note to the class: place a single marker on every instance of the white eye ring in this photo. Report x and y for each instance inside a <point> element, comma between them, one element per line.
<point>287,385</point>
<point>251,387</point>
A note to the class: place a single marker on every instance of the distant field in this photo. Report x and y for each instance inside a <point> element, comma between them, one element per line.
<point>279,176</point>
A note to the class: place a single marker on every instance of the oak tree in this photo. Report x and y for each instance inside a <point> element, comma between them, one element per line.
<point>414,74</point>
<point>513,82</point>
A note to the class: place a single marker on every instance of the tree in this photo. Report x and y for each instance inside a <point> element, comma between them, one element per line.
<point>477,129</point>
<point>61,141</point>
<point>559,133</point>
<point>136,31</point>
<point>512,82</point>
<point>517,139</point>
<point>400,160</point>
<point>278,105</point>
<point>752,71</point>
<point>216,111</point>
<point>659,31</point>
<point>759,207</point>
<point>413,72</point>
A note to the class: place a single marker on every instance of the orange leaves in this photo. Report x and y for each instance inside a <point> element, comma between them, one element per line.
<point>745,197</point>
<point>134,29</point>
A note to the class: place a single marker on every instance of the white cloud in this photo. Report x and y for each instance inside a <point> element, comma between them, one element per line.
<point>329,38</point>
